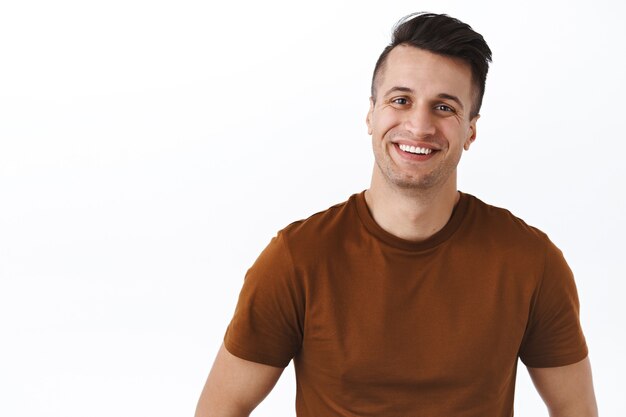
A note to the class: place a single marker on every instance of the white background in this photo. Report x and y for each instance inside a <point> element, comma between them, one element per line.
<point>150,149</point>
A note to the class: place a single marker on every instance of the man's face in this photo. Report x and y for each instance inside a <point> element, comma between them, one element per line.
<point>420,119</point>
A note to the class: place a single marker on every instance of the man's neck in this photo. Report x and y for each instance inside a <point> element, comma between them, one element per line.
<point>413,215</point>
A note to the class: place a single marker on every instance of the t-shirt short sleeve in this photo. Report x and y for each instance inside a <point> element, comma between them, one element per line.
<point>267,326</point>
<point>554,336</point>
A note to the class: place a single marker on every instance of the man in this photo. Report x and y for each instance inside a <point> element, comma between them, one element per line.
<point>411,298</point>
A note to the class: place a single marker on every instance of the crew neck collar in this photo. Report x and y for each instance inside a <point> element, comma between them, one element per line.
<point>441,236</point>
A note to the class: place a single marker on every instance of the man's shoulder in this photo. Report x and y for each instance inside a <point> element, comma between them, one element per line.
<point>502,222</point>
<point>323,223</point>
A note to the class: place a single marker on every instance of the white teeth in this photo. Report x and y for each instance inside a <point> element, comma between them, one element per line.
<point>415,149</point>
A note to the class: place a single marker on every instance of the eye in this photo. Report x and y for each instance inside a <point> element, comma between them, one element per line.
<point>444,107</point>
<point>401,101</point>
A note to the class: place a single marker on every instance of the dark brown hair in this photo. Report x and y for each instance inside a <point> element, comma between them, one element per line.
<point>443,35</point>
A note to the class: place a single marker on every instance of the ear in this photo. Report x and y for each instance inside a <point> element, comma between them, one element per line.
<point>368,118</point>
<point>471,133</point>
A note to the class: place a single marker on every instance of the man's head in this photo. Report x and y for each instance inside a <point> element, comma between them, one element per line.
<point>443,35</point>
<point>426,94</point>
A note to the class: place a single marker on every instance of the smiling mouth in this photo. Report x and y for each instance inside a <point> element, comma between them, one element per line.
<point>415,149</point>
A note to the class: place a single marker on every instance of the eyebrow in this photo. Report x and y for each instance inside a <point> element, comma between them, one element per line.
<point>451,97</point>
<point>445,96</point>
<point>398,88</point>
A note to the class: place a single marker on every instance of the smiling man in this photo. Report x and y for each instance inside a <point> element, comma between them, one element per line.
<point>411,298</point>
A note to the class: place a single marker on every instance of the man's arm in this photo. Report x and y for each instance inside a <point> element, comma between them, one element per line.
<point>566,390</point>
<point>235,386</point>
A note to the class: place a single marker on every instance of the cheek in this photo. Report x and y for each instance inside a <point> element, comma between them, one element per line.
<point>382,125</point>
<point>382,120</point>
<point>455,132</point>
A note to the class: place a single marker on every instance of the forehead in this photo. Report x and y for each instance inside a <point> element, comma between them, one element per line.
<point>426,73</point>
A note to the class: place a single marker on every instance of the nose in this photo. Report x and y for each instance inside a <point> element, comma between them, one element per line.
<point>420,121</point>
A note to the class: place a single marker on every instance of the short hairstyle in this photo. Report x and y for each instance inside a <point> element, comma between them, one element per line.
<point>443,35</point>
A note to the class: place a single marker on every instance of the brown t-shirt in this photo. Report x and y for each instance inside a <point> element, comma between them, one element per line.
<point>380,326</point>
